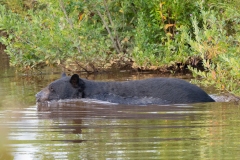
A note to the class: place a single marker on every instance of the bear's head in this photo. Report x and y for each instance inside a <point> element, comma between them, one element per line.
<point>63,88</point>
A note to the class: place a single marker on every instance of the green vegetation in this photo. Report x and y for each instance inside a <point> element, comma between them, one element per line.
<point>100,34</point>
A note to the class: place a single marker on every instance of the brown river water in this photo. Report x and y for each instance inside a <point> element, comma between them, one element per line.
<point>89,129</point>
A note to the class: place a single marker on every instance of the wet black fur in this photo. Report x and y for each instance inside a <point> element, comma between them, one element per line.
<point>147,91</point>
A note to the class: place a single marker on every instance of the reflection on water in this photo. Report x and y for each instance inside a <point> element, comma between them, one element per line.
<point>91,130</point>
<point>88,129</point>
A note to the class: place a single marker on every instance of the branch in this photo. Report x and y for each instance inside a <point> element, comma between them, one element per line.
<point>65,13</point>
<point>85,69</point>
<point>115,32</point>
<point>109,32</point>
<point>69,21</point>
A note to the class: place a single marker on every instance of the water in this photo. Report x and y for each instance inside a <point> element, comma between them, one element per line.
<point>88,129</point>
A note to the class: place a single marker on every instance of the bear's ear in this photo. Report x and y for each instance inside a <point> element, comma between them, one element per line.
<point>74,80</point>
<point>77,82</point>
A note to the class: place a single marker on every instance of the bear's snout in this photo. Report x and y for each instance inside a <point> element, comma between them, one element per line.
<point>42,95</point>
<point>37,97</point>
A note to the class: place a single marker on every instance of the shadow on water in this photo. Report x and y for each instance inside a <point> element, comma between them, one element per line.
<point>90,129</point>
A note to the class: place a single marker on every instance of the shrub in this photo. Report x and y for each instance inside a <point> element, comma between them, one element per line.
<point>217,44</point>
<point>98,34</point>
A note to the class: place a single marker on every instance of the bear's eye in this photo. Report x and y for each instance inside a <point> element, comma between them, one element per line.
<point>51,89</point>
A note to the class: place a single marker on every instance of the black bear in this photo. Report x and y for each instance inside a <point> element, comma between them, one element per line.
<point>139,92</point>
